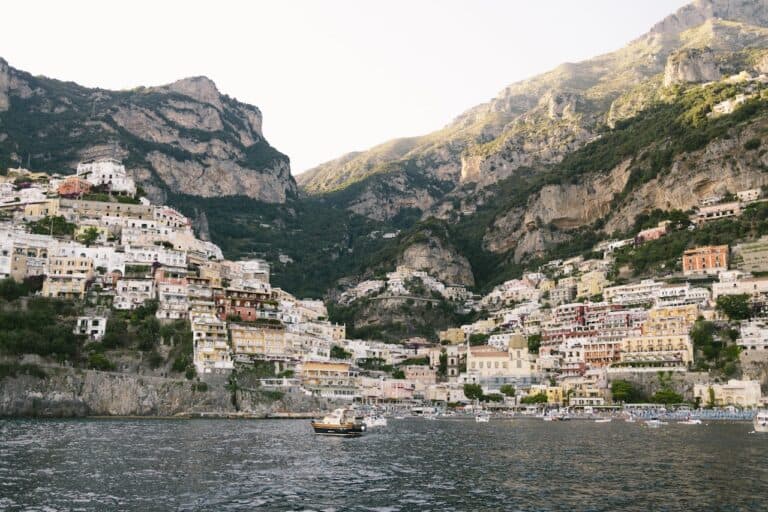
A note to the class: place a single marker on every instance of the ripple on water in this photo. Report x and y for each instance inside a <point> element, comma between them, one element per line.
<point>411,465</point>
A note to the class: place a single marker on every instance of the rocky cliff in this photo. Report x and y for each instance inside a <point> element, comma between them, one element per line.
<point>439,259</point>
<point>184,138</point>
<point>76,393</point>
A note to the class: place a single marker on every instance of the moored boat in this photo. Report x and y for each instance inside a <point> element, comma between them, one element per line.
<point>761,421</point>
<point>603,420</point>
<point>375,421</point>
<point>654,423</point>
<point>342,422</point>
<point>690,421</point>
<point>483,418</point>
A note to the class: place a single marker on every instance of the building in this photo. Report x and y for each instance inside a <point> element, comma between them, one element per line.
<point>67,276</point>
<point>453,335</point>
<point>73,187</point>
<point>132,293</point>
<point>421,374</point>
<point>716,212</point>
<point>92,326</point>
<point>260,340</point>
<point>329,379</point>
<point>109,173</point>
<point>739,285</point>
<point>747,196</point>
<point>650,234</point>
<point>740,393</point>
<point>753,336</point>
<point>212,353</point>
<point>710,259</point>
<point>591,284</point>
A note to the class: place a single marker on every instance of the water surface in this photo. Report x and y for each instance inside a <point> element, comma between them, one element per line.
<point>412,464</point>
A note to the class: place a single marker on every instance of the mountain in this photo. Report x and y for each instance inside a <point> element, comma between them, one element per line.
<point>183,138</point>
<point>535,123</point>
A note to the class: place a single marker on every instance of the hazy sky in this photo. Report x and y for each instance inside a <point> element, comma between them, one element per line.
<point>329,76</point>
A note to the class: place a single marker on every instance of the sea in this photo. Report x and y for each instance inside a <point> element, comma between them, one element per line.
<point>410,465</point>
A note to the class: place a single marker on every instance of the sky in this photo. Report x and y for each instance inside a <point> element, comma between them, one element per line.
<point>329,76</point>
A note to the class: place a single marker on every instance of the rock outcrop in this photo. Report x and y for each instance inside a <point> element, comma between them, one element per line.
<point>440,260</point>
<point>691,66</point>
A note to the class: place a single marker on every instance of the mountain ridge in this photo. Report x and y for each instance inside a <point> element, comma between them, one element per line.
<point>183,137</point>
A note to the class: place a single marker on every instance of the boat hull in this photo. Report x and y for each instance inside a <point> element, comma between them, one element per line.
<point>338,430</point>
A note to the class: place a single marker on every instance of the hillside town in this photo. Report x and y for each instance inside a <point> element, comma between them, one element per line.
<point>562,335</point>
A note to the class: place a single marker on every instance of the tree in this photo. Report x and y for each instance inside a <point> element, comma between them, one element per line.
<point>99,361</point>
<point>88,236</point>
<point>538,398</point>
<point>534,342</point>
<point>625,391</point>
<point>338,352</point>
<point>735,307</point>
<point>478,338</point>
<point>149,333</point>
<point>666,396</point>
<point>473,391</point>
<point>507,389</point>
<point>442,368</point>
<point>397,373</point>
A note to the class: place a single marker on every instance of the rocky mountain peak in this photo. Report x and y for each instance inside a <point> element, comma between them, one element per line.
<point>200,88</point>
<point>752,12</point>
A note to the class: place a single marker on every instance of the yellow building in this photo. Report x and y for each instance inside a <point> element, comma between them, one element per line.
<point>259,339</point>
<point>454,335</point>
<point>554,393</point>
<point>42,209</point>
<point>591,284</point>
<point>67,276</point>
<point>330,380</point>
<point>657,350</point>
<point>671,319</point>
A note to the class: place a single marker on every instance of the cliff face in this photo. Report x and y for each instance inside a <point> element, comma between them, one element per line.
<point>440,260</point>
<point>77,393</point>
<point>554,210</point>
<point>691,66</point>
<point>185,137</point>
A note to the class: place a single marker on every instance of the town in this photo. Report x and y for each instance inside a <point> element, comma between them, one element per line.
<point>565,335</point>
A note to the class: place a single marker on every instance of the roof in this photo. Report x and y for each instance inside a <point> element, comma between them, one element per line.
<point>320,365</point>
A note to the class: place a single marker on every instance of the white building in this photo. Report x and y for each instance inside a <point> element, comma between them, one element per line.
<point>107,172</point>
<point>132,293</point>
<point>92,326</point>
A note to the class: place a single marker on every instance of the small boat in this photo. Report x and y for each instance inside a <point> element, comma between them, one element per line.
<point>375,421</point>
<point>690,421</point>
<point>630,419</point>
<point>761,421</point>
<point>483,418</point>
<point>655,423</point>
<point>603,420</point>
<point>341,422</point>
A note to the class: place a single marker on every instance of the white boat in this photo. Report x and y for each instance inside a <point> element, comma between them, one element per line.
<point>690,421</point>
<point>375,421</point>
<point>603,420</point>
<point>630,419</point>
<point>430,416</point>
<point>483,418</point>
<point>761,421</point>
<point>655,423</point>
